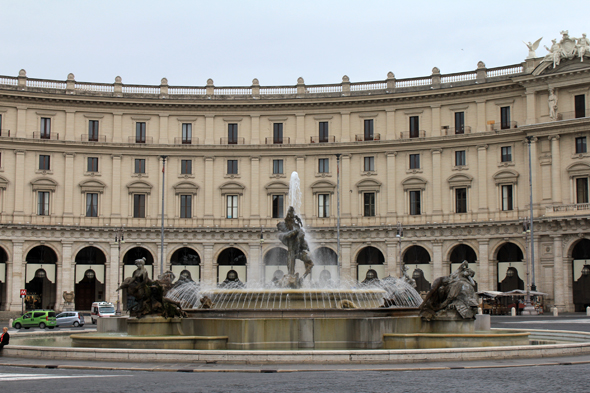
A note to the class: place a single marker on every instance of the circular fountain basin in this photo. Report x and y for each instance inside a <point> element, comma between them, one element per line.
<point>304,298</point>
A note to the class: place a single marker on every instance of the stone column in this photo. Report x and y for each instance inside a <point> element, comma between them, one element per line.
<point>390,126</point>
<point>345,270</point>
<point>346,127</point>
<point>69,188</point>
<point>483,278</point>
<point>300,124</point>
<point>255,191</point>
<point>118,127</point>
<point>482,178</point>
<point>116,200</point>
<point>436,199</point>
<point>66,277</point>
<point>254,263</point>
<point>558,276</point>
<point>112,274</point>
<point>19,183</point>
<point>531,116</point>
<point>555,170</point>
<point>209,129</point>
<point>255,133</point>
<point>345,208</point>
<point>391,186</point>
<point>16,277</point>
<point>481,116</point>
<point>437,259</point>
<point>209,274</point>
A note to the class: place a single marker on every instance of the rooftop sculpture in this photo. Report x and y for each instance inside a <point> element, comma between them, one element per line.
<point>567,48</point>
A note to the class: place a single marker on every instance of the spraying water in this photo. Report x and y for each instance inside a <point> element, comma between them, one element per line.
<point>295,192</point>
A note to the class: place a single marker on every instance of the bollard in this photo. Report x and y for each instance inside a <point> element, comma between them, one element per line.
<point>480,311</point>
<point>513,311</point>
<point>11,320</point>
<point>588,311</point>
<point>555,312</point>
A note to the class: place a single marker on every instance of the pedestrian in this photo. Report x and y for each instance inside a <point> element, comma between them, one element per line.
<point>4,338</point>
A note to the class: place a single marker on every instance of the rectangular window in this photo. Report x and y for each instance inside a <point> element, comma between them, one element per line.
<point>461,200</point>
<point>91,205</point>
<point>186,167</point>
<point>277,206</point>
<point>44,162</point>
<point>580,105</point>
<point>92,164</point>
<point>232,206</point>
<point>324,165</point>
<point>277,133</point>
<point>414,126</point>
<point>507,202</point>
<point>93,130</point>
<point>369,204</point>
<point>369,135</point>
<point>414,161</point>
<point>277,167</point>
<point>140,132</point>
<point>232,133</point>
<point>582,190</point>
<point>45,128</point>
<point>415,205</point>
<point>139,205</point>
<point>323,131</point>
<point>460,158</point>
<point>43,203</point>
<point>139,165</point>
<point>232,167</point>
<point>323,205</point>
<point>369,164</point>
<point>459,122</point>
<point>186,203</point>
<point>505,117</point>
<point>581,145</point>
<point>506,154</point>
<point>187,133</point>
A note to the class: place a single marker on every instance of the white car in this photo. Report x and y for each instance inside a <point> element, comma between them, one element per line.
<point>69,318</point>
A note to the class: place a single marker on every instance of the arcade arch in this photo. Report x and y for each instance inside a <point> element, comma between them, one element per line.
<point>370,260</point>
<point>581,274</point>
<point>186,262</point>
<point>40,278</point>
<point>129,267</point>
<point>460,253</point>
<point>231,259</point>
<point>89,277</point>
<point>417,260</point>
<point>3,294</point>
<point>511,268</point>
<point>325,265</point>
<point>275,264</point>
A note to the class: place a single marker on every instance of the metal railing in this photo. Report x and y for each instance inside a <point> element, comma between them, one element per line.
<point>52,136</point>
<point>146,140</point>
<point>231,141</point>
<point>568,208</point>
<point>318,139</point>
<point>571,115</point>
<point>367,138</point>
<point>5,133</point>
<point>458,131</point>
<point>412,134</point>
<point>94,138</point>
<point>278,141</point>
<point>504,125</point>
<point>184,141</point>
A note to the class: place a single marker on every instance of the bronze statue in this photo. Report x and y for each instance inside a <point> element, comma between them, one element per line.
<point>452,296</point>
<point>292,235</point>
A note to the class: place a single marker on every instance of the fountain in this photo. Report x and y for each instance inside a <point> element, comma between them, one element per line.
<point>292,312</point>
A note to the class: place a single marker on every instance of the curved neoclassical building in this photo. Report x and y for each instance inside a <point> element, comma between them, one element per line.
<point>445,156</point>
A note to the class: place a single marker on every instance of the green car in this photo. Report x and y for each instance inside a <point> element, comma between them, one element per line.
<point>41,318</point>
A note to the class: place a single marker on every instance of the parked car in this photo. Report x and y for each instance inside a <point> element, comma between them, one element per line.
<point>101,310</point>
<point>70,318</point>
<point>41,318</point>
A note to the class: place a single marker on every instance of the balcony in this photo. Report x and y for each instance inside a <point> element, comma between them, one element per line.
<point>231,141</point>
<point>367,138</point>
<point>5,133</point>
<point>52,136</point>
<point>458,131</point>
<point>318,139</point>
<point>571,115</point>
<point>277,141</point>
<point>94,138</point>
<point>412,134</point>
<point>504,126</point>
<point>135,139</point>
<point>567,210</point>
<point>186,141</point>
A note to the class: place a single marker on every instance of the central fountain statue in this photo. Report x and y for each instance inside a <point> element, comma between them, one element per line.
<point>291,234</point>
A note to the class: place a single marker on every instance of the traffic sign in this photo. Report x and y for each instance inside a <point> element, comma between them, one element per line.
<point>23,292</point>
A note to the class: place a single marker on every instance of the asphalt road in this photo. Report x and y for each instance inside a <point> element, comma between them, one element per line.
<point>571,378</point>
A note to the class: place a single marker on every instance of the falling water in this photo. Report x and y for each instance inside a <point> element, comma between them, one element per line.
<point>295,192</point>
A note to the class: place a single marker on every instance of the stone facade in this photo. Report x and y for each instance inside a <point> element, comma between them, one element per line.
<point>451,146</point>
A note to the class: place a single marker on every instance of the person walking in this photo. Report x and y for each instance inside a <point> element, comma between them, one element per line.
<point>4,338</point>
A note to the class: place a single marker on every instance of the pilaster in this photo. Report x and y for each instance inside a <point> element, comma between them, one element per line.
<point>555,170</point>
<point>209,275</point>
<point>483,277</point>
<point>17,281</point>
<point>558,276</point>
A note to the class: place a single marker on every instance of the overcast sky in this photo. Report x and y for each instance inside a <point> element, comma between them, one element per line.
<point>276,41</point>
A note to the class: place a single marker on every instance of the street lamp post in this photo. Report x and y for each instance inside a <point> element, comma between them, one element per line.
<point>162,228</point>
<point>399,235</point>
<point>529,309</point>
<point>119,238</point>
